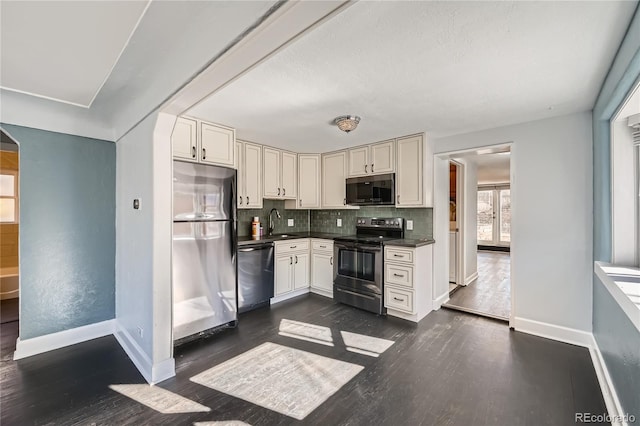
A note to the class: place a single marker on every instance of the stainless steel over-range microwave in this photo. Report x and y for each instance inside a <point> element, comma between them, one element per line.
<point>376,190</point>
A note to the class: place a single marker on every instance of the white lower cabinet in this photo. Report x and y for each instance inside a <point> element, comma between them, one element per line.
<point>322,267</point>
<point>407,281</point>
<point>292,267</point>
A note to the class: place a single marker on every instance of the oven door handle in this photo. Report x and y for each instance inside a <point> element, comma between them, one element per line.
<point>368,248</point>
<point>357,247</point>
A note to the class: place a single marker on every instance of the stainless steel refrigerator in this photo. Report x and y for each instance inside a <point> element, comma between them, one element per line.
<point>204,249</point>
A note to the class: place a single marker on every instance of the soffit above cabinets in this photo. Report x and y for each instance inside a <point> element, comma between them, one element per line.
<point>441,67</point>
<point>64,51</point>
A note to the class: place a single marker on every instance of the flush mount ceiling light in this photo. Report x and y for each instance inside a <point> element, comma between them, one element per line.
<point>347,123</point>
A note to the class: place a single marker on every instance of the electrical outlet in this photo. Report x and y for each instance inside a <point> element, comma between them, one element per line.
<point>140,332</point>
<point>338,223</point>
<point>289,222</point>
<point>409,225</point>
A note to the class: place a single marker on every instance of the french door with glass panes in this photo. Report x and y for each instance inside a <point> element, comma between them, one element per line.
<point>494,216</point>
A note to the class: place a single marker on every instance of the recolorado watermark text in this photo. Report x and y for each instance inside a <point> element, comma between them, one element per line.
<point>603,418</point>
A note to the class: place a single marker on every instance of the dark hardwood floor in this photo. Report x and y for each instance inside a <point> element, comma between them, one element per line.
<point>451,369</point>
<point>490,293</point>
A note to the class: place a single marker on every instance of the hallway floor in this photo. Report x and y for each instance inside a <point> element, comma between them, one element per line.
<point>490,293</point>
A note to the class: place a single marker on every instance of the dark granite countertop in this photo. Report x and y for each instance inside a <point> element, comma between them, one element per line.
<point>410,242</point>
<point>246,240</point>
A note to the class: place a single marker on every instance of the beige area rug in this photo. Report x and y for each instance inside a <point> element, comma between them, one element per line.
<point>286,380</point>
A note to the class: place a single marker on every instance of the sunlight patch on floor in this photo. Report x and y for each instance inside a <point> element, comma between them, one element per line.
<point>305,331</point>
<point>159,399</point>
<point>365,345</point>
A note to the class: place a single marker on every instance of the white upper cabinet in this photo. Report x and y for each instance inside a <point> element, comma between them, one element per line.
<point>184,139</point>
<point>203,142</point>
<point>271,172</point>
<point>359,161</point>
<point>289,180</point>
<point>372,159</point>
<point>249,175</point>
<point>334,174</point>
<point>280,174</point>
<point>309,181</point>
<point>382,157</point>
<point>217,144</point>
<point>414,175</point>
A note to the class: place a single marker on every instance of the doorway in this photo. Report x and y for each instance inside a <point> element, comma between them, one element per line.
<point>485,285</point>
<point>9,233</point>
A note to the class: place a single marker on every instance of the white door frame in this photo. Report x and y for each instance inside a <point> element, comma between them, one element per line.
<point>460,254</point>
<point>441,217</point>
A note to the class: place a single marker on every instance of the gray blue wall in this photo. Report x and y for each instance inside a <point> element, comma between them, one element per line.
<point>67,230</point>
<point>617,338</point>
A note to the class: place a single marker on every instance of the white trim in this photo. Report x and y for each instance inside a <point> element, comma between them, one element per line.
<point>471,278</point>
<point>606,273</point>
<point>152,373</point>
<point>611,400</point>
<point>289,295</point>
<point>49,342</point>
<point>406,316</point>
<point>49,98</point>
<point>440,300</point>
<point>553,332</point>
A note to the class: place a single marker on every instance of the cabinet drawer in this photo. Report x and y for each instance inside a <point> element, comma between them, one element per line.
<point>319,245</point>
<point>396,298</point>
<point>398,274</point>
<point>399,254</point>
<point>291,246</point>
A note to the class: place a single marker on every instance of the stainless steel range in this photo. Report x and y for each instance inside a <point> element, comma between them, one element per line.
<point>358,267</point>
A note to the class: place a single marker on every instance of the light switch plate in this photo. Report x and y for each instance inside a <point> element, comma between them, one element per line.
<point>338,222</point>
<point>289,222</point>
<point>409,225</point>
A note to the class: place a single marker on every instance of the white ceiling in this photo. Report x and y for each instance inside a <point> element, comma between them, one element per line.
<point>64,51</point>
<point>440,67</point>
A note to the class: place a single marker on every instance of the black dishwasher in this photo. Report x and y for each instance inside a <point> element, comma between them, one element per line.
<point>255,276</point>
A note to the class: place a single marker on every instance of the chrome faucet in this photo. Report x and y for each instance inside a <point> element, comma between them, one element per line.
<point>270,230</point>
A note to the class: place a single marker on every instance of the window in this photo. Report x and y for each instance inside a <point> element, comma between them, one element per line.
<point>9,197</point>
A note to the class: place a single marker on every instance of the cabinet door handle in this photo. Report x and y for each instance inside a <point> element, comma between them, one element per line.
<point>292,247</point>
<point>296,259</point>
<point>241,200</point>
<point>371,167</point>
<point>284,192</point>
<point>290,260</point>
<point>204,153</point>
<point>193,151</point>
<point>278,192</point>
<point>365,168</point>
<point>398,275</point>
<point>344,201</point>
<point>398,198</point>
<point>331,260</point>
<point>397,255</point>
<point>398,299</point>
<point>301,202</point>
<point>247,200</point>
<point>323,246</point>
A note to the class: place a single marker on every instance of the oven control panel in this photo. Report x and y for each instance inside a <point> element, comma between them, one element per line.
<point>380,222</point>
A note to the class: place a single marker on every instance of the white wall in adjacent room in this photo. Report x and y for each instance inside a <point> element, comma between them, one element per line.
<point>551,171</point>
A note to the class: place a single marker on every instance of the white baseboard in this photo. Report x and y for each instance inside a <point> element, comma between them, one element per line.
<point>321,292</point>
<point>49,342</point>
<point>471,278</point>
<point>441,300</point>
<point>152,373</point>
<point>553,332</point>
<point>609,393</point>
<point>290,295</point>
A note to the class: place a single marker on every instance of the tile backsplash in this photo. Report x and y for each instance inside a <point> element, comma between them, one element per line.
<point>300,219</point>
<point>326,220</point>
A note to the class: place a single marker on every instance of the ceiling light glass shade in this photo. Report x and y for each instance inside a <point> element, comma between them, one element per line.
<point>347,123</point>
